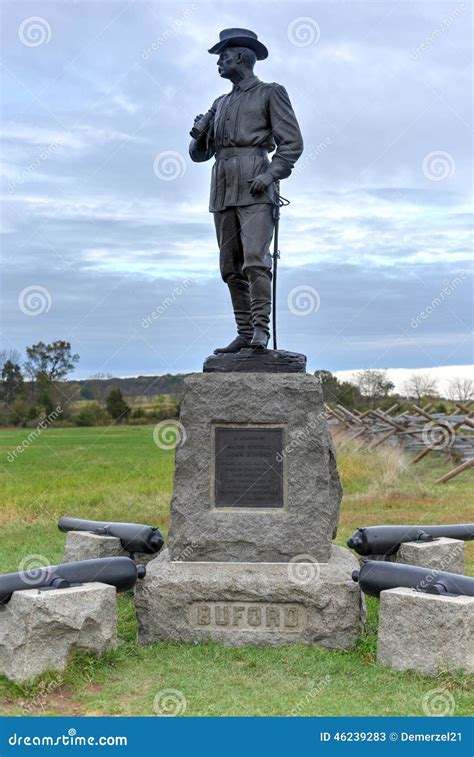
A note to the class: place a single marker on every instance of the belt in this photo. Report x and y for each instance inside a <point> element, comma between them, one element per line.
<point>234,152</point>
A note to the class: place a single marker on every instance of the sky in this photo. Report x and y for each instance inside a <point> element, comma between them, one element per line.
<point>107,241</point>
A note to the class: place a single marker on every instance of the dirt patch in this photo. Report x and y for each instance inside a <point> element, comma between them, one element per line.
<point>58,702</point>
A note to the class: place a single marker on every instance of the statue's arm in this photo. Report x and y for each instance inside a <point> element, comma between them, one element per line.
<point>202,147</point>
<point>286,133</point>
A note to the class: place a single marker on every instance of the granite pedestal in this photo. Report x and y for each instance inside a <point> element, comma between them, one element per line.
<point>254,509</point>
<point>256,478</point>
<point>257,604</point>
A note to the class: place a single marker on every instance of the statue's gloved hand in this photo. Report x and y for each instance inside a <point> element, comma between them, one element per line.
<point>196,132</point>
<point>260,183</point>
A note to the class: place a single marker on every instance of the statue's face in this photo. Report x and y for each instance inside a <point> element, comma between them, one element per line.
<point>227,63</point>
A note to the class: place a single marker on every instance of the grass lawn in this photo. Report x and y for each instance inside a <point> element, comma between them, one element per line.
<point>119,474</point>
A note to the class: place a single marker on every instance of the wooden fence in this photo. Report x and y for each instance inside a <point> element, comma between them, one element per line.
<point>418,430</point>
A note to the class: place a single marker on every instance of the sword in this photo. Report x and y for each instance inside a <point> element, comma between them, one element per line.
<point>279,202</point>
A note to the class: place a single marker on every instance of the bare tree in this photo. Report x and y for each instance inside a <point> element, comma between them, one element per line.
<point>373,384</point>
<point>461,389</point>
<point>420,385</point>
<point>101,384</point>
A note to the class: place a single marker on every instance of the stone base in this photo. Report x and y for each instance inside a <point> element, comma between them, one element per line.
<point>40,629</point>
<point>256,361</point>
<point>256,604</point>
<point>425,632</point>
<point>271,493</point>
<point>441,554</point>
<point>82,545</point>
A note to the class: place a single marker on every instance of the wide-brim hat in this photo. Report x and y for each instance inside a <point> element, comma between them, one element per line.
<point>239,38</point>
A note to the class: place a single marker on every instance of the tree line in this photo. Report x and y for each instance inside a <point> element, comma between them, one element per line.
<point>372,387</point>
<point>38,388</point>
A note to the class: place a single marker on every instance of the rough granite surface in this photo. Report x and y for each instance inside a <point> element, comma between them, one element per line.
<point>425,632</point>
<point>307,523</point>
<point>441,554</point>
<point>257,604</point>
<point>82,545</point>
<point>40,629</point>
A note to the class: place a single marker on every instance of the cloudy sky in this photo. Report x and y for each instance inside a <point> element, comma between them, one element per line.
<point>106,236</point>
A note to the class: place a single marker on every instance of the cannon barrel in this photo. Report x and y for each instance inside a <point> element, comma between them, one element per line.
<point>134,537</point>
<point>386,540</point>
<point>375,576</point>
<point>120,572</point>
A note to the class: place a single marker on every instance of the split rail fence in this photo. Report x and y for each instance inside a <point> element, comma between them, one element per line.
<point>419,431</point>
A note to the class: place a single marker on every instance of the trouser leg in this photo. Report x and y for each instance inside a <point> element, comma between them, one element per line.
<point>257,226</point>
<point>231,261</point>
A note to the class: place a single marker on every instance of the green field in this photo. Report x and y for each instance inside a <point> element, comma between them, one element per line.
<point>119,473</point>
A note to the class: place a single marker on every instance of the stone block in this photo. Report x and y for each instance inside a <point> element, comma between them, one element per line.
<point>83,545</point>
<point>255,475</point>
<point>441,554</point>
<point>39,630</point>
<point>257,604</point>
<point>425,632</point>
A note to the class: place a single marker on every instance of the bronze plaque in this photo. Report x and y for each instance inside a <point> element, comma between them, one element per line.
<point>248,467</point>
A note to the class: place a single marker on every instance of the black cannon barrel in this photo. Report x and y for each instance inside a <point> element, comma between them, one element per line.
<point>134,537</point>
<point>375,576</point>
<point>120,572</point>
<point>386,540</point>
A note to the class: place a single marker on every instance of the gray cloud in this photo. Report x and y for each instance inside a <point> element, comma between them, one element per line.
<point>375,225</point>
<point>136,324</point>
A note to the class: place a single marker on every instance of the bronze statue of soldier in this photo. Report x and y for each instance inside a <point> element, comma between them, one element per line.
<point>240,129</point>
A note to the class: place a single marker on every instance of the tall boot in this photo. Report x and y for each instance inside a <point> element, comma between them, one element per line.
<point>239,294</point>
<point>260,281</point>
